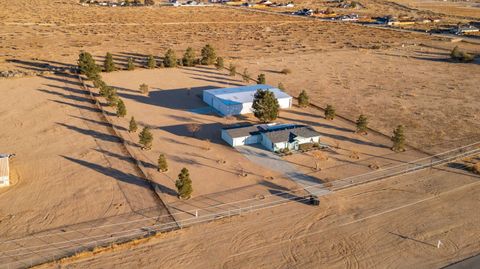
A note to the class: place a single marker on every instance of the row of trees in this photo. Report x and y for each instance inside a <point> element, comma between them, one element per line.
<point>170,60</point>
<point>183,183</point>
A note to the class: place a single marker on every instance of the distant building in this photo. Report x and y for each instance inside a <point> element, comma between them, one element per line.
<point>239,100</point>
<point>4,170</point>
<point>274,137</point>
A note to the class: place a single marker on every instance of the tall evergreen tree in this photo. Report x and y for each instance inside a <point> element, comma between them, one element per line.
<point>265,106</point>
<point>162,163</point>
<point>329,112</point>
<point>170,59</point>
<point>303,99</point>
<point>261,79</point>
<point>132,126</point>
<point>151,62</point>
<point>189,57</point>
<point>87,65</point>
<point>130,64</point>
<point>145,138</point>
<point>362,124</point>
<point>208,55</point>
<point>109,65</point>
<point>219,64</point>
<point>121,109</point>
<point>398,138</point>
<point>184,184</point>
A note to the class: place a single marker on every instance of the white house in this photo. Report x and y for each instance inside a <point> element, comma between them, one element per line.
<point>272,136</point>
<point>4,170</point>
<point>239,100</point>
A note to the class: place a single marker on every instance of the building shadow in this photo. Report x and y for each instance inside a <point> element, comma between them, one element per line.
<point>182,98</point>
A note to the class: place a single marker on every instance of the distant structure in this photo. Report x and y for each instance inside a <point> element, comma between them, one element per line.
<point>4,170</point>
<point>239,100</point>
<point>275,137</point>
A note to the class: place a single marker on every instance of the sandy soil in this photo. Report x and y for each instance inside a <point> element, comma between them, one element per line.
<point>391,224</point>
<point>65,170</point>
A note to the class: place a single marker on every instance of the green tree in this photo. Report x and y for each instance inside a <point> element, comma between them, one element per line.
<point>145,138</point>
<point>265,106</point>
<point>398,138</point>
<point>189,57</point>
<point>329,112</point>
<point>108,64</point>
<point>99,83</point>
<point>144,88</point>
<point>219,64</point>
<point>130,64</point>
<point>87,65</point>
<point>232,70</point>
<point>261,79</point>
<point>162,163</point>
<point>132,126</point>
<point>208,55</point>
<point>170,59</point>
<point>303,99</point>
<point>362,124</point>
<point>112,97</point>
<point>121,109</point>
<point>151,62</point>
<point>460,55</point>
<point>184,184</point>
<point>245,75</point>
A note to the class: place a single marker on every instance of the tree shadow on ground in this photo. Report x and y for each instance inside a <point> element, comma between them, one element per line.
<point>102,123</point>
<point>289,196</point>
<point>210,131</point>
<point>92,133</point>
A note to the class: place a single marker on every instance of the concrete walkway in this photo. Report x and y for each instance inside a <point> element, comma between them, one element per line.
<point>259,155</point>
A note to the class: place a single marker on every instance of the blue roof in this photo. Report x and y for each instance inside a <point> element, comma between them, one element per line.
<point>244,94</point>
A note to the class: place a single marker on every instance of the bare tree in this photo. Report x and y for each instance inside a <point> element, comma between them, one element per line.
<point>319,156</point>
<point>193,128</point>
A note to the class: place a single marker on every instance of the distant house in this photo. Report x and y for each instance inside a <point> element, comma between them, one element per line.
<point>239,100</point>
<point>465,29</point>
<point>274,137</point>
<point>4,170</point>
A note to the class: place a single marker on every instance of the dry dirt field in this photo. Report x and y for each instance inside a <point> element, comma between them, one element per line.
<point>70,168</point>
<point>395,223</point>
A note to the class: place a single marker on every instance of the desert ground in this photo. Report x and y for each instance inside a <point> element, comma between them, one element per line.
<point>72,172</point>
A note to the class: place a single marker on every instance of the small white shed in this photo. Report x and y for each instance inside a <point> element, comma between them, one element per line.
<point>239,100</point>
<point>4,170</point>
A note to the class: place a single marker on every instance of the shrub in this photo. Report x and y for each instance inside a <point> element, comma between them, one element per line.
<point>261,79</point>
<point>245,75</point>
<point>329,112</point>
<point>130,64</point>
<point>121,109</point>
<point>398,138</point>
<point>305,146</point>
<point>132,126</point>
<point>189,57</point>
<point>208,55</point>
<point>144,88</point>
<point>170,59</point>
<point>303,99</point>
<point>281,87</point>
<point>362,124</point>
<point>145,138</point>
<point>162,163</point>
<point>476,168</point>
<point>149,2</point>
<point>232,70</point>
<point>219,64</point>
<point>184,184</point>
<point>109,65</point>
<point>459,55</point>
<point>151,62</point>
